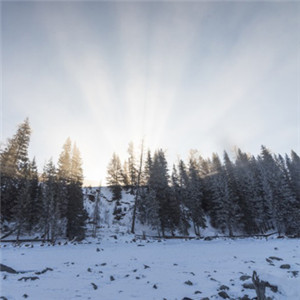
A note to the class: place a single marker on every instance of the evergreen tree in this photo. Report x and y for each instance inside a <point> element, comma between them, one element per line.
<point>114,178</point>
<point>35,205</point>
<point>132,169</point>
<point>125,176</point>
<point>76,214</point>
<point>23,201</point>
<point>64,177</point>
<point>147,169</point>
<point>222,212</point>
<point>195,196</point>
<point>14,168</point>
<point>52,224</point>
<point>179,194</point>
<point>204,169</point>
<point>159,184</point>
<point>293,165</point>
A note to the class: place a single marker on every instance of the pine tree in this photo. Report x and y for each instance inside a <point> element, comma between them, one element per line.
<point>76,214</point>
<point>125,176</point>
<point>178,194</point>
<point>114,177</point>
<point>147,169</point>
<point>250,200</point>
<point>132,169</point>
<point>14,166</point>
<point>222,212</point>
<point>159,184</point>
<point>293,165</point>
<point>52,223</point>
<point>195,196</point>
<point>23,201</point>
<point>64,177</point>
<point>35,206</point>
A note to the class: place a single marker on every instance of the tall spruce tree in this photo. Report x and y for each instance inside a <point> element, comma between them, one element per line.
<point>195,196</point>
<point>52,223</point>
<point>14,170</point>
<point>222,212</point>
<point>159,185</point>
<point>35,205</point>
<point>132,169</point>
<point>76,214</point>
<point>114,177</point>
<point>180,196</point>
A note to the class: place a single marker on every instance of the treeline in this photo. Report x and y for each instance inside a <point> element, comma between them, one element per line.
<point>50,204</point>
<point>249,195</point>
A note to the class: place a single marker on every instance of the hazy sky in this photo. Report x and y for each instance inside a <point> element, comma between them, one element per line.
<point>201,75</point>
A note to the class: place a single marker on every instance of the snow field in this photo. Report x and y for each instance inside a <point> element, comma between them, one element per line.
<point>120,268</point>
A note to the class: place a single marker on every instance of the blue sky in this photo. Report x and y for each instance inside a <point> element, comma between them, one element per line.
<point>181,75</point>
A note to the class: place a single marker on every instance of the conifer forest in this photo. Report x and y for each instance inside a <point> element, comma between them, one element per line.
<point>245,196</point>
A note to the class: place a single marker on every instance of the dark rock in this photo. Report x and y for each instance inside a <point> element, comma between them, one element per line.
<point>127,275</point>
<point>134,270</point>
<point>4,268</point>
<point>294,273</point>
<point>112,278</point>
<point>28,278</point>
<point>43,271</point>
<point>186,298</point>
<point>285,266</point>
<point>245,277</point>
<point>98,250</point>
<point>192,273</point>
<point>94,286</point>
<point>103,264</point>
<point>208,238</point>
<point>249,286</point>
<point>146,267</point>
<point>89,270</point>
<point>25,296</point>
<point>188,282</point>
<point>269,260</point>
<point>197,292</point>
<point>3,298</point>
<point>245,297</point>
<point>275,258</point>
<point>137,277</point>
<point>223,295</point>
<point>205,298</point>
<point>223,287</point>
<point>155,286</point>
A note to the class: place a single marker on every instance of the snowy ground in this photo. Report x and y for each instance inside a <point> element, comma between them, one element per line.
<point>120,268</point>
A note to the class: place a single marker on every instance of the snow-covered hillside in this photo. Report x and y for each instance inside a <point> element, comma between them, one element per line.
<point>124,268</point>
<point>108,222</point>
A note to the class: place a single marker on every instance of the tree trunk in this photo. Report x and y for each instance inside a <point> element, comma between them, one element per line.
<point>260,287</point>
